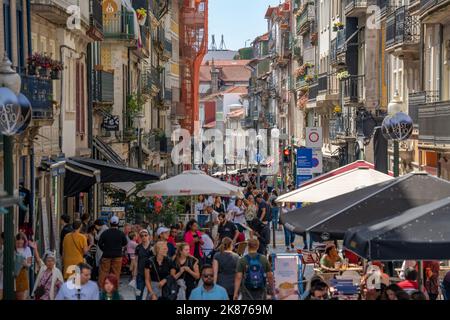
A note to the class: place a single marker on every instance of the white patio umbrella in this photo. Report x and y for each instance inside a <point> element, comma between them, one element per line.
<point>191,183</point>
<point>336,185</point>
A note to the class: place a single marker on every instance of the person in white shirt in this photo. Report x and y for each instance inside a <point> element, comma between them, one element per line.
<point>207,247</point>
<point>237,214</point>
<point>84,290</point>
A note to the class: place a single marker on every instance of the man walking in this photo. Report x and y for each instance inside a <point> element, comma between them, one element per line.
<point>112,242</point>
<point>143,253</point>
<point>253,273</point>
<point>209,290</point>
<point>80,287</point>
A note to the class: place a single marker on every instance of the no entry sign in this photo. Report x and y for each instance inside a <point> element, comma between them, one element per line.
<point>314,137</point>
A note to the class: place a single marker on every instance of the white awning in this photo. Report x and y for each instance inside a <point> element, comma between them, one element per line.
<point>128,187</point>
<point>335,186</point>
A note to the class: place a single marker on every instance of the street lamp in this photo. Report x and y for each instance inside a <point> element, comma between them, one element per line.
<point>397,126</point>
<point>15,115</point>
<point>394,107</point>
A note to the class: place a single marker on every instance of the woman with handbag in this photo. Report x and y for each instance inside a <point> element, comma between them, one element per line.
<point>186,267</point>
<point>157,271</point>
<point>23,263</point>
<point>49,279</point>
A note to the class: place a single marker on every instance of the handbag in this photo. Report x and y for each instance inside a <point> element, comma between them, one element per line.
<point>40,290</point>
<point>170,290</point>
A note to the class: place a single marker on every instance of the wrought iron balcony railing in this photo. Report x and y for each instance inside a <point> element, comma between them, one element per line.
<point>40,93</point>
<point>402,28</point>
<point>306,19</point>
<point>353,88</point>
<point>96,20</point>
<point>119,26</point>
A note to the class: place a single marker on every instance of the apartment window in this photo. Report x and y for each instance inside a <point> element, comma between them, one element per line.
<point>79,99</point>
<point>7,27</point>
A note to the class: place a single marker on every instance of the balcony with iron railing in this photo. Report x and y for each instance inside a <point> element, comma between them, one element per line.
<point>434,119</point>
<point>40,93</point>
<point>150,81</point>
<point>95,20</point>
<point>306,19</point>
<point>119,26</point>
<point>103,87</point>
<point>403,34</point>
<point>417,99</point>
<point>357,8</point>
<point>353,89</point>
<point>56,12</point>
<point>426,5</point>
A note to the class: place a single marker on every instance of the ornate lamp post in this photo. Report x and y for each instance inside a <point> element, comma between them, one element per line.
<point>15,116</point>
<point>397,126</point>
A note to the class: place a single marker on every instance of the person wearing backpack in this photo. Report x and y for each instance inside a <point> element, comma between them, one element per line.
<point>253,274</point>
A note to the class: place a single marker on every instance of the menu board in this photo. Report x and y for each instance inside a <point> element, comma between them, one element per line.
<point>286,276</point>
<point>108,212</point>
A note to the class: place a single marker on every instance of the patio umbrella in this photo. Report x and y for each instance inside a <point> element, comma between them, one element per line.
<point>335,185</point>
<point>421,233</point>
<point>191,183</point>
<point>330,219</point>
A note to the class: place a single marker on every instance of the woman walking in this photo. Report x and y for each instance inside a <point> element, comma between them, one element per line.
<point>23,261</point>
<point>187,268</point>
<point>224,266</point>
<point>110,289</point>
<point>193,238</point>
<point>49,279</point>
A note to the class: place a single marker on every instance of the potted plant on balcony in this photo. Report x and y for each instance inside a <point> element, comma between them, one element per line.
<point>309,78</point>
<point>343,75</point>
<point>56,69</point>
<point>141,15</point>
<point>32,64</point>
<point>44,63</point>
<point>338,26</point>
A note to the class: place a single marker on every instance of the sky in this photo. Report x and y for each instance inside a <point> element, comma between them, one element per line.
<point>238,21</point>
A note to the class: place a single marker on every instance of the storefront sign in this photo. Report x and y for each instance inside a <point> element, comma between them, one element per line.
<point>107,212</point>
<point>110,123</point>
<point>304,165</point>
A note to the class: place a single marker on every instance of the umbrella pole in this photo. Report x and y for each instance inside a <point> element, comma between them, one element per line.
<point>420,276</point>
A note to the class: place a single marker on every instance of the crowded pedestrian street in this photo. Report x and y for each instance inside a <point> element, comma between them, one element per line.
<point>271,151</point>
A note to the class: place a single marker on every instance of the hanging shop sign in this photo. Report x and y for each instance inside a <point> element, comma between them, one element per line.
<point>110,123</point>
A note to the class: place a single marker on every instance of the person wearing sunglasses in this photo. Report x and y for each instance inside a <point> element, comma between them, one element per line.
<point>209,290</point>
<point>142,254</point>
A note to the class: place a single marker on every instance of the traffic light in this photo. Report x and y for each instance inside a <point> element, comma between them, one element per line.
<point>287,155</point>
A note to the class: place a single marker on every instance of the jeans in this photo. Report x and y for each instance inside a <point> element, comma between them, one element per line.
<point>275,215</point>
<point>289,237</point>
<point>140,286</point>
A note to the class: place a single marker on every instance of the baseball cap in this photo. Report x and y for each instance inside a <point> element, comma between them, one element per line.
<point>143,231</point>
<point>162,230</point>
<point>114,220</point>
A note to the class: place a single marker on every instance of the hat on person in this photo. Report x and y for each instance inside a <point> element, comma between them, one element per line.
<point>49,255</point>
<point>162,230</point>
<point>114,220</point>
<point>143,231</point>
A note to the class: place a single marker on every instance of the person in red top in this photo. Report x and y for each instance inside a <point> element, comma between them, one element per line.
<point>173,235</point>
<point>410,284</point>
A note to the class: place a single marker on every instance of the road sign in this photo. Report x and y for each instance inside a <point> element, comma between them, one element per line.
<point>259,158</point>
<point>314,137</point>
<point>317,164</point>
<point>304,165</point>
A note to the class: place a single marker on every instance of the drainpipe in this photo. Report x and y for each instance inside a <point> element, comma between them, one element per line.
<point>30,49</point>
<point>441,61</point>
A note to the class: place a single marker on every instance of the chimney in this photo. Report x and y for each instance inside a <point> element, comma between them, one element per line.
<point>214,78</point>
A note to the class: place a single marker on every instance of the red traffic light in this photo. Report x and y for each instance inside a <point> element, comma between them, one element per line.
<point>287,152</point>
